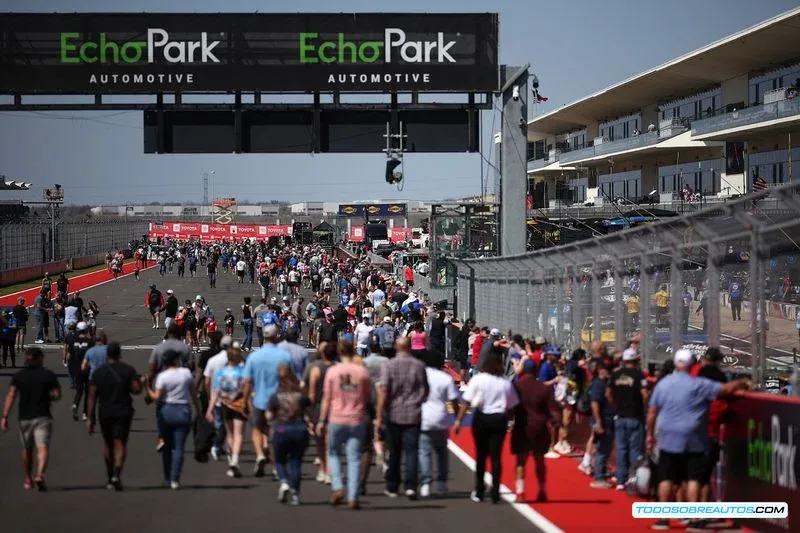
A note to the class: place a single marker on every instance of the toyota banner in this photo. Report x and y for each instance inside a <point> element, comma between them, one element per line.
<point>130,53</point>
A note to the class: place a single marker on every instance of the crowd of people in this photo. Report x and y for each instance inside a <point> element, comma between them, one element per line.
<point>378,383</point>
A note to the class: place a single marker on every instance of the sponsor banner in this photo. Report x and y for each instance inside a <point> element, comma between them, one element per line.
<point>212,232</point>
<point>373,210</point>
<point>356,233</point>
<point>399,234</point>
<point>129,53</point>
<point>351,210</point>
<point>760,458</point>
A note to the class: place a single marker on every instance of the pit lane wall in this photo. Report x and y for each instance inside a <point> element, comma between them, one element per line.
<point>759,459</point>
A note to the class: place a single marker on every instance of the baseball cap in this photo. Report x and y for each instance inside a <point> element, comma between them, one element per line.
<point>630,354</point>
<point>226,341</point>
<point>529,366</point>
<point>387,320</point>
<point>540,340</point>
<point>170,291</point>
<point>152,285</point>
<point>198,297</point>
<point>683,358</point>
<point>236,345</point>
<point>494,332</point>
<point>82,326</point>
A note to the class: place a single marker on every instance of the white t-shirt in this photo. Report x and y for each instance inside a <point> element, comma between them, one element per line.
<point>362,334</point>
<point>241,266</point>
<point>215,364</point>
<point>71,314</point>
<point>377,297</point>
<point>495,394</point>
<point>442,390</point>
<point>177,382</point>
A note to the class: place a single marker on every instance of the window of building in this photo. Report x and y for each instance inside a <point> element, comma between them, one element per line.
<point>703,177</point>
<point>693,107</point>
<point>770,81</point>
<point>621,184</point>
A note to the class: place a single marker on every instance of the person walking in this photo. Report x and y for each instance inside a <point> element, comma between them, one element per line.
<point>111,386</point>
<point>36,387</point>
<point>314,383</point>
<point>627,390</point>
<point>492,397</point>
<point>154,301</point>
<point>174,389</point>
<point>346,394</point>
<point>247,324</point>
<point>435,426</point>
<point>228,392</point>
<point>536,412</point>
<point>402,391</point>
<point>261,382</point>
<point>289,412</point>
<point>75,348</point>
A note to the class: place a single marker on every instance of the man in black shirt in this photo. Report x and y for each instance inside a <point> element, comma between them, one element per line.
<point>36,388</point>
<point>111,387</point>
<point>75,346</point>
<point>170,309</point>
<point>20,313</point>
<point>627,392</point>
<point>212,273</point>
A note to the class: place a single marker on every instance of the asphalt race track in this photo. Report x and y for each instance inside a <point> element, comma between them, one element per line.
<point>77,500</point>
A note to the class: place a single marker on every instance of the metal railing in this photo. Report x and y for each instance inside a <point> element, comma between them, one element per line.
<point>726,276</point>
<point>747,116</point>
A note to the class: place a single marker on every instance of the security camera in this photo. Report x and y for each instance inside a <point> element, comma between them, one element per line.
<point>515,93</point>
<point>521,121</point>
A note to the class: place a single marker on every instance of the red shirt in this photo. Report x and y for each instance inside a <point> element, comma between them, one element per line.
<point>716,410</point>
<point>476,350</point>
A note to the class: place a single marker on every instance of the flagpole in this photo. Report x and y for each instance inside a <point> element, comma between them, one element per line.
<point>790,156</point>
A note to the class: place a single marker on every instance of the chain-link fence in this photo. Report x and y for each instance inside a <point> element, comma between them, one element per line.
<point>32,243</point>
<point>727,276</point>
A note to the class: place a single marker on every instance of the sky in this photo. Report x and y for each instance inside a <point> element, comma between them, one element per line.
<point>574,48</point>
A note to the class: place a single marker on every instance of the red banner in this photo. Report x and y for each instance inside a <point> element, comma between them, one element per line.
<point>399,234</point>
<point>356,233</point>
<point>214,232</point>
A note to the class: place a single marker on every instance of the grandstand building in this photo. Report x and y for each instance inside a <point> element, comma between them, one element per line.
<point>697,130</point>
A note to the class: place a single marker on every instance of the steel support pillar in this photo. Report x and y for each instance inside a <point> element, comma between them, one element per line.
<point>513,164</point>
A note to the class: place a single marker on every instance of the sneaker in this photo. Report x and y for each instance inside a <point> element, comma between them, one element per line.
<point>424,491</point>
<point>337,497</point>
<point>541,497</point>
<point>411,494</point>
<point>84,418</point>
<point>441,488</point>
<point>320,476</point>
<point>475,497</point>
<point>39,341</point>
<point>233,471</point>
<point>261,463</point>
<point>160,445</point>
<point>562,448</point>
<point>586,469</point>
<point>109,485</point>
<point>551,455</point>
<point>390,494</point>
<point>27,484</point>
<point>316,461</point>
<point>40,485</point>
<point>354,506</point>
<point>154,326</point>
<point>174,485</point>
<point>75,412</point>
<point>600,484</point>
<point>214,453</point>
<point>116,483</point>
<point>327,479</point>
<point>620,487</point>
<point>294,499</point>
<point>660,525</point>
<point>283,492</point>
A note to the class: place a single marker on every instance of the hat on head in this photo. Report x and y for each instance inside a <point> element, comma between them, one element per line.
<point>228,309</point>
<point>540,340</point>
<point>529,366</point>
<point>82,326</point>
<point>152,285</point>
<point>683,358</point>
<point>236,345</point>
<point>387,320</point>
<point>494,332</point>
<point>285,298</point>
<point>226,341</point>
<point>552,350</point>
<point>273,300</point>
<point>630,354</point>
<point>170,291</point>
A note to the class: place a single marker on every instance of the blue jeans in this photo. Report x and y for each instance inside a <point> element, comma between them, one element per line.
<point>39,328</point>
<point>260,336</point>
<point>247,342</point>
<point>212,279</point>
<point>290,442</point>
<point>175,422</point>
<point>352,438</point>
<point>603,443</point>
<point>58,326</point>
<point>629,438</point>
<point>162,269</point>
<point>219,429</point>
<point>433,441</point>
<point>402,440</point>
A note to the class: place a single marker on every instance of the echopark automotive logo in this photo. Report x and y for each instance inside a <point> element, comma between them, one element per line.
<point>395,47</point>
<point>157,48</point>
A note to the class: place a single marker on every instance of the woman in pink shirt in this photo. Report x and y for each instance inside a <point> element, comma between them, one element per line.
<point>419,341</point>
<point>346,394</point>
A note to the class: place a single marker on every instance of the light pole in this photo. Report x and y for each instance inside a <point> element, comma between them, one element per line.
<point>205,192</point>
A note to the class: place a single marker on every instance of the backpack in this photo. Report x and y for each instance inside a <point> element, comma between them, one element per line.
<point>736,291</point>
<point>155,299</point>
<point>387,341</point>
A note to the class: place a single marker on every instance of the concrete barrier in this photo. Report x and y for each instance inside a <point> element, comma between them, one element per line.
<point>20,275</point>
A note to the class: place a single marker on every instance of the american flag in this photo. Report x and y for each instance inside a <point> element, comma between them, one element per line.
<point>759,184</point>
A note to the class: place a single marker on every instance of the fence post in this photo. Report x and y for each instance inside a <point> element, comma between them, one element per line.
<point>596,318</point>
<point>711,307</point>
<point>676,300</point>
<point>755,347</point>
<point>619,315</point>
<point>645,294</point>
<point>558,284</point>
